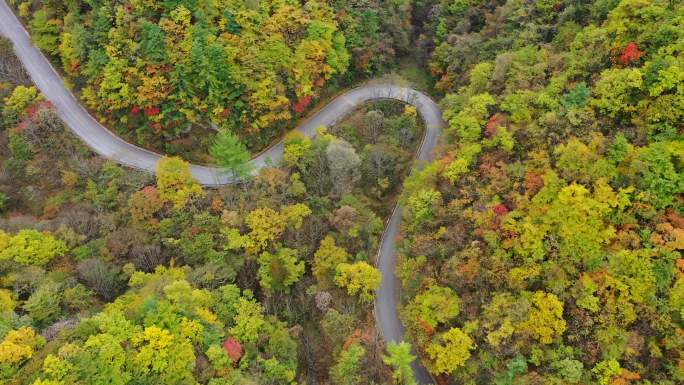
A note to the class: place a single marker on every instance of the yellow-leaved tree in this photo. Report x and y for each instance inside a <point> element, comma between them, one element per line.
<point>545,321</point>
<point>358,278</point>
<point>175,182</point>
<point>453,353</point>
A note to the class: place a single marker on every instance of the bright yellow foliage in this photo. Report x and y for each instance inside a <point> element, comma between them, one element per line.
<point>295,214</point>
<point>7,302</point>
<point>358,278</point>
<point>326,259</point>
<point>47,382</point>
<point>175,182</point>
<point>266,225</point>
<point>162,353</point>
<point>30,247</point>
<point>453,354</point>
<point>545,321</point>
<point>296,146</point>
<point>19,345</point>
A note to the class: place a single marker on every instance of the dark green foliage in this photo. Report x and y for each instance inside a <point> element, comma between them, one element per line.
<point>577,97</point>
<point>516,366</point>
<point>45,31</point>
<point>4,201</point>
<point>661,172</point>
<point>152,43</point>
<point>619,149</point>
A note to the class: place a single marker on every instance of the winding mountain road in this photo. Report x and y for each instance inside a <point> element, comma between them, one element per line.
<point>110,146</point>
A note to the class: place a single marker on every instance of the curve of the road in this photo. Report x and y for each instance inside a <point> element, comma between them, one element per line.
<point>110,146</point>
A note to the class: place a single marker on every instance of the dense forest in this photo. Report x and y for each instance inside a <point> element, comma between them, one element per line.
<point>542,246</point>
<point>166,74</point>
<point>111,276</point>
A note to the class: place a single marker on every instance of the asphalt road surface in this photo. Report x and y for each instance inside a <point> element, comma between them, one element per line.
<point>110,146</point>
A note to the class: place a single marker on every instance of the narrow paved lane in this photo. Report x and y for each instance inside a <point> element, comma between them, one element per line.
<point>110,146</point>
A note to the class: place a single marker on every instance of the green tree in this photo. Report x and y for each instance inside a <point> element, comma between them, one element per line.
<point>423,204</point>
<point>279,271</point>
<point>4,201</point>
<point>152,43</point>
<point>635,269</point>
<point>400,358</point>
<point>466,155</point>
<point>44,304</point>
<point>102,360</point>
<point>231,154</point>
<point>347,369</point>
<point>296,146</point>
<point>45,31</point>
<point>467,123</point>
<point>660,177</point>
<point>580,162</point>
<point>619,148</point>
<point>515,367</point>
<point>433,306</point>
<point>21,152</point>
<point>248,321</point>
<point>616,91</point>
<point>578,219</point>
<point>569,370</point>
<point>226,299</point>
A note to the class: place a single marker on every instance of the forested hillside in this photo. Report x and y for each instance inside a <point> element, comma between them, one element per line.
<point>544,247</point>
<point>165,73</point>
<point>110,276</point>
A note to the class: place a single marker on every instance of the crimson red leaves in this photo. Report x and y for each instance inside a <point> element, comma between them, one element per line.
<point>630,54</point>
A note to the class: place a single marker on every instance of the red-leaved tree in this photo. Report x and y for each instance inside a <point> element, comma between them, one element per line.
<point>630,54</point>
<point>233,350</point>
<point>302,103</point>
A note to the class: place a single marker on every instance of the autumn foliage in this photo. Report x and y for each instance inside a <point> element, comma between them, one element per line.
<point>630,54</point>
<point>301,104</point>
<point>233,350</point>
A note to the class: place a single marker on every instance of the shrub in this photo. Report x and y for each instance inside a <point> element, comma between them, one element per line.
<point>44,304</point>
<point>102,277</point>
